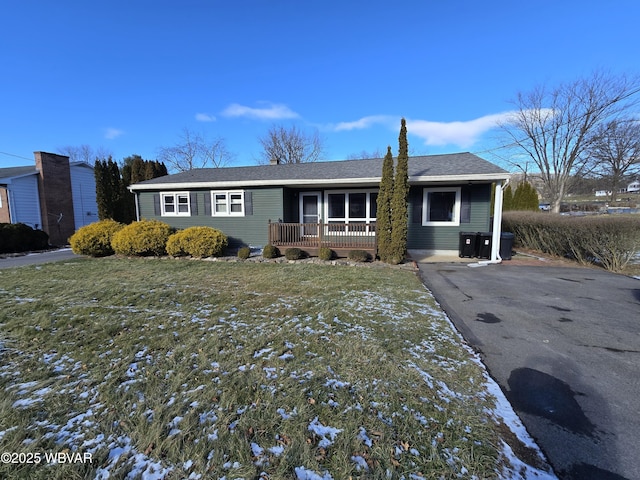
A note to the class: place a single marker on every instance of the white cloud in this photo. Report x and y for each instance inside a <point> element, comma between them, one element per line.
<point>365,122</point>
<point>274,111</point>
<point>112,133</point>
<point>462,134</point>
<point>205,117</point>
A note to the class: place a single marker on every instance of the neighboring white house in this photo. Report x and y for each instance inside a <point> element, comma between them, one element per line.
<point>634,187</point>
<point>55,196</point>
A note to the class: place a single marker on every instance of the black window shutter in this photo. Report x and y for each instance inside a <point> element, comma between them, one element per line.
<point>207,203</point>
<point>193,200</point>
<point>248,203</point>
<point>465,205</point>
<point>156,205</point>
<point>416,212</point>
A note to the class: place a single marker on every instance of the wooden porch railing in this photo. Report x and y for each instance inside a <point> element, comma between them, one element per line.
<point>312,236</point>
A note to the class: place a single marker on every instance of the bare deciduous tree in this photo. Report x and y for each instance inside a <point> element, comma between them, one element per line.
<point>290,145</point>
<point>194,150</point>
<point>84,153</point>
<point>554,127</point>
<point>364,155</point>
<point>614,151</point>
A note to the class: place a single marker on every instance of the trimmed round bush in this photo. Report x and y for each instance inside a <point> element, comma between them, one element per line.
<point>269,251</point>
<point>294,254</point>
<point>18,237</point>
<point>198,242</point>
<point>325,253</point>
<point>95,239</point>
<point>144,238</point>
<point>358,256</point>
<point>244,253</point>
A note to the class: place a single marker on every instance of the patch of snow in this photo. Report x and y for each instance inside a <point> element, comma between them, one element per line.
<point>327,434</point>
<point>304,474</point>
<point>361,463</point>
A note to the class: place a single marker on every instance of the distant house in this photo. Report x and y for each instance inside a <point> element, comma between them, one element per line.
<point>55,196</point>
<point>603,193</point>
<point>634,187</point>
<point>332,204</point>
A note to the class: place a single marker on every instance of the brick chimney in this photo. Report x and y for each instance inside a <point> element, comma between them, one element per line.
<point>56,200</point>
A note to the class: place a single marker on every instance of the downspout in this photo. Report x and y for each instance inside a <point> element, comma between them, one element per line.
<point>135,201</point>
<point>497,227</point>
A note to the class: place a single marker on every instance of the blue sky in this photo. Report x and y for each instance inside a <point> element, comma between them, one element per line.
<point>130,76</point>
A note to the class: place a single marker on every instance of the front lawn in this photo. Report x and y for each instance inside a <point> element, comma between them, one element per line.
<point>157,368</point>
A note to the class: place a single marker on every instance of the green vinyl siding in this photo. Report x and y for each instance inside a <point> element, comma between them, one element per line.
<point>251,229</point>
<point>439,237</point>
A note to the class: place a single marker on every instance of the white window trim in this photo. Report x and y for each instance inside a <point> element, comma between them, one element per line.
<point>175,196</point>
<point>366,219</point>
<point>456,208</point>
<point>227,194</point>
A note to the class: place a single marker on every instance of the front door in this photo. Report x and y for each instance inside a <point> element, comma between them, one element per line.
<point>310,212</point>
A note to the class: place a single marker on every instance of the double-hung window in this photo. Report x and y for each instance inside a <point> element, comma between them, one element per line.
<point>441,206</point>
<point>175,204</point>
<point>227,203</point>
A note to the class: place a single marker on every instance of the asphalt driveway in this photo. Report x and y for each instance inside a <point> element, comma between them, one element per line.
<point>36,258</point>
<point>564,345</point>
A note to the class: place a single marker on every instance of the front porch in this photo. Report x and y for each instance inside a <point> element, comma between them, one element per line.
<point>310,237</point>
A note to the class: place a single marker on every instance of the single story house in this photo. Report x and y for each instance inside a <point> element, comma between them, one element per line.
<point>55,196</point>
<point>333,203</point>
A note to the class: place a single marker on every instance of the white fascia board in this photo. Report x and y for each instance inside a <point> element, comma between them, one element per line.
<point>481,177</point>
<point>257,183</point>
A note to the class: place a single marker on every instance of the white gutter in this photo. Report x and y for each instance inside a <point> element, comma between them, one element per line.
<point>497,227</point>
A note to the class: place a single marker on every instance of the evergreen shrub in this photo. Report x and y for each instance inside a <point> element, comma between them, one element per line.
<point>18,237</point>
<point>144,238</point>
<point>294,254</point>
<point>95,239</point>
<point>198,242</point>
<point>244,253</point>
<point>325,253</point>
<point>358,256</point>
<point>270,251</point>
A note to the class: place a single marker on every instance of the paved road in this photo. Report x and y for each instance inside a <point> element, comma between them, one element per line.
<point>36,258</point>
<point>564,345</point>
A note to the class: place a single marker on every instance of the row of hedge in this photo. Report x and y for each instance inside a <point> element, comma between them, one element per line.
<point>608,240</point>
<point>18,237</point>
<point>155,238</point>
<point>147,238</point>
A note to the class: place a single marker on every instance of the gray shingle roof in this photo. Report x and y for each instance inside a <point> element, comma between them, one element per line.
<point>11,172</point>
<point>462,166</point>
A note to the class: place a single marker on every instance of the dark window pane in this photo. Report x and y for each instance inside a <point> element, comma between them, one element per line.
<point>357,205</point>
<point>373,206</point>
<point>336,205</point>
<point>441,206</point>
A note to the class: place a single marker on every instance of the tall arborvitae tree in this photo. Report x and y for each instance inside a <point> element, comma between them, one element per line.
<point>525,197</point>
<point>112,195</point>
<point>108,189</point>
<point>383,217</point>
<point>399,209</point>
<point>507,198</point>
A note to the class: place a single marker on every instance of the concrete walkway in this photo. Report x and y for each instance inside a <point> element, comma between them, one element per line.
<point>563,342</point>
